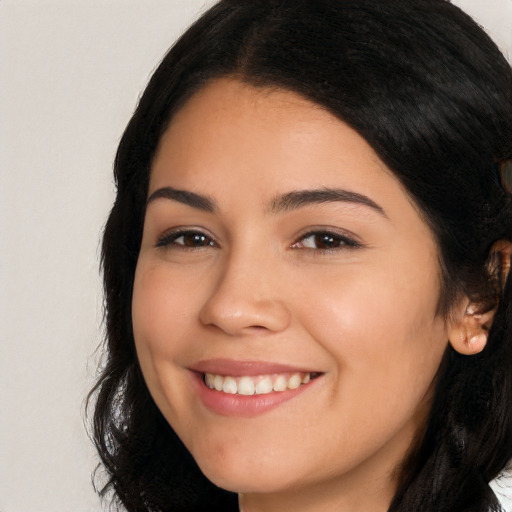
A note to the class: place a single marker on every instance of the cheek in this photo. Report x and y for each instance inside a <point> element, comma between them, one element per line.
<point>378,303</point>
<point>382,331</point>
<point>160,309</point>
<point>156,331</point>
<point>161,319</point>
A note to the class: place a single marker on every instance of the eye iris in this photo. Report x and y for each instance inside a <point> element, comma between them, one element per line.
<point>326,241</point>
<point>195,240</point>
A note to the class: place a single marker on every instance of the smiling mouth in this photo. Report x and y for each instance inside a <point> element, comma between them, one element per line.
<point>257,384</point>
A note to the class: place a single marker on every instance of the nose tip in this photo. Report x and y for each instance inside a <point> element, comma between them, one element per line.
<point>238,312</point>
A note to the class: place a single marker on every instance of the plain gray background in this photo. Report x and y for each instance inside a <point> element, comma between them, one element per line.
<point>70,75</point>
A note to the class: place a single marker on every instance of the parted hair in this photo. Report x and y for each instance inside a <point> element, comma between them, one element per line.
<point>432,94</point>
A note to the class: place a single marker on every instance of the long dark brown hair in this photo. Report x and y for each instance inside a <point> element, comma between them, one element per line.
<point>431,93</point>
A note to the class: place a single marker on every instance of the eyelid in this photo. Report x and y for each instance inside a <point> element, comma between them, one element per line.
<point>350,240</point>
<point>347,239</point>
<point>172,234</point>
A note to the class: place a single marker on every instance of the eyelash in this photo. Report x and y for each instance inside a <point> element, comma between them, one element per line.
<point>202,240</point>
<point>169,239</point>
<point>340,241</point>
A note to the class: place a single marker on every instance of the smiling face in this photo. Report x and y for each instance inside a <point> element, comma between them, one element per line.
<point>281,257</point>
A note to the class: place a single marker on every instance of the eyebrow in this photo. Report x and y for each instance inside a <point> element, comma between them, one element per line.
<point>297,199</point>
<point>280,204</point>
<point>192,199</point>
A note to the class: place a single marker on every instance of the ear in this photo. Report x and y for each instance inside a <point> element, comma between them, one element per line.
<point>470,323</point>
<point>470,328</point>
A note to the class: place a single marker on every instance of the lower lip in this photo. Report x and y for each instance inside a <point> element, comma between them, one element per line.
<point>227,404</point>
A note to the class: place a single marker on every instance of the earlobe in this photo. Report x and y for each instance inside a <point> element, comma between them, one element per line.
<point>468,335</point>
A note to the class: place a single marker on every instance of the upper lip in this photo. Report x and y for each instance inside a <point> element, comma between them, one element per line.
<point>236,368</point>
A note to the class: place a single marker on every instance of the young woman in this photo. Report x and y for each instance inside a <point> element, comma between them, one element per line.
<point>307,266</point>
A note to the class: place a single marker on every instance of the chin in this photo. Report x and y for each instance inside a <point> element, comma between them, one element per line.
<point>248,483</point>
<point>240,476</point>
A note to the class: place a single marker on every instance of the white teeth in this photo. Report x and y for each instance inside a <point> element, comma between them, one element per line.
<point>264,386</point>
<point>218,381</point>
<point>280,383</point>
<point>294,381</point>
<point>246,386</point>
<point>229,385</point>
<point>208,379</point>
<point>256,385</point>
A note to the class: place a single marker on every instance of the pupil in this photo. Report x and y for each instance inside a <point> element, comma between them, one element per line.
<point>325,241</point>
<point>193,240</point>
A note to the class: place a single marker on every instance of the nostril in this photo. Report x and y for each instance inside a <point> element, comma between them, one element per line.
<point>257,327</point>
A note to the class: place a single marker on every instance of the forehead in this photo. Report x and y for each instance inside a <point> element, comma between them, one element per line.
<point>252,127</point>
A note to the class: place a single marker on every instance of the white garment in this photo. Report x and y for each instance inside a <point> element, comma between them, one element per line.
<point>502,487</point>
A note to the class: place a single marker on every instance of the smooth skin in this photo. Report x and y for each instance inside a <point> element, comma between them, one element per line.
<point>346,287</point>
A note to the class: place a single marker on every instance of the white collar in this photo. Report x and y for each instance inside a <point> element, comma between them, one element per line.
<point>502,487</point>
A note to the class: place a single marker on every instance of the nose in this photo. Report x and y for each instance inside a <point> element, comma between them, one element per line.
<point>246,298</point>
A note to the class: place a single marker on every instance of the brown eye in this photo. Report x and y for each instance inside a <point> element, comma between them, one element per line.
<point>186,239</point>
<point>193,240</point>
<point>325,240</point>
